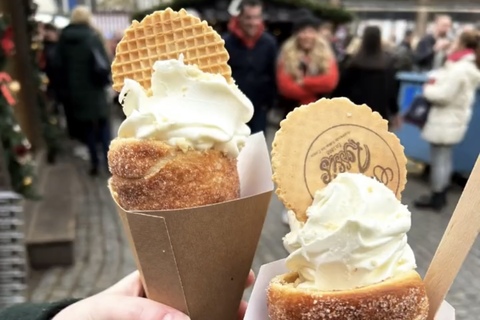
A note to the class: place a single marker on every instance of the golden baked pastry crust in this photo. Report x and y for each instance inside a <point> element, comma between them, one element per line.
<point>399,298</point>
<point>152,175</point>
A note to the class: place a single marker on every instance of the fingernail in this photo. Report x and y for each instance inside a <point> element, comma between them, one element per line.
<point>176,316</point>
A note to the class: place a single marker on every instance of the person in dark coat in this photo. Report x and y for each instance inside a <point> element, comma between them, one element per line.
<point>85,98</point>
<point>368,77</point>
<point>50,41</point>
<point>432,49</point>
<point>404,53</point>
<point>253,54</point>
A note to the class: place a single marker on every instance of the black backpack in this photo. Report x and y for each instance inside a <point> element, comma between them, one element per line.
<point>101,72</point>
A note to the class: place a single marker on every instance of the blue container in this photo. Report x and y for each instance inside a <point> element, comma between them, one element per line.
<point>465,153</point>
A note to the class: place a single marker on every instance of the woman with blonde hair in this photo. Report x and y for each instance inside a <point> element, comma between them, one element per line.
<point>306,69</point>
<point>85,72</point>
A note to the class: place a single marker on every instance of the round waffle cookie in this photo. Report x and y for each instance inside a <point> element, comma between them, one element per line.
<point>318,141</point>
<point>165,35</point>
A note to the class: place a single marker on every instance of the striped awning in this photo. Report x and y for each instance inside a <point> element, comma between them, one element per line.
<point>111,23</point>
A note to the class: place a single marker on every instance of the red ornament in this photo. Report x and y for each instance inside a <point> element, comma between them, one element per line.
<point>6,42</point>
<point>5,79</point>
<point>21,150</point>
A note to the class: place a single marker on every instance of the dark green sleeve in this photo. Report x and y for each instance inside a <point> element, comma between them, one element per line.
<point>35,311</point>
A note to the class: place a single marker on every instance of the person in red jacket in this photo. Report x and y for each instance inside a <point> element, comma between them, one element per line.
<point>306,69</point>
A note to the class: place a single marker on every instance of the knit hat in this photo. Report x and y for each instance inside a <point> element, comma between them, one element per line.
<point>305,21</point>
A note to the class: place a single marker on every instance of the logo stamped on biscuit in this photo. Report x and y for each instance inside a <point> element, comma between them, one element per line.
<point>340,149</point>
<point>316,142</point>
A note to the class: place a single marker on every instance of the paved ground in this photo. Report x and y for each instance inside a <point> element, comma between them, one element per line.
<point>102,254</point>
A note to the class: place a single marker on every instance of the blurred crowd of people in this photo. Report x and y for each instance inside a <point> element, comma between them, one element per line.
<point>314,62</point>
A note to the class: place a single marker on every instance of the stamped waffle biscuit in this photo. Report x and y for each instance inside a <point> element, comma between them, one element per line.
<point>318,141</point>
<point>165,35</point>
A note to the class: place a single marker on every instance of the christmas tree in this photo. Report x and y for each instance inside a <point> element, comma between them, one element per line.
<point>16,148</point>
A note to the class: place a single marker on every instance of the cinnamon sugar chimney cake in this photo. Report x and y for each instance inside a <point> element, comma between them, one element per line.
<point>185,118</point>
<point>341,174</point>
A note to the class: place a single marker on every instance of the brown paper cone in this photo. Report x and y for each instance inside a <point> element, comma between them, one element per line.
<point>197,260</point>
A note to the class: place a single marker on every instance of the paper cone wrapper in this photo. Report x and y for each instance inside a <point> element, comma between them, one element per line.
<point>197,260</point>
<point>257,305</point>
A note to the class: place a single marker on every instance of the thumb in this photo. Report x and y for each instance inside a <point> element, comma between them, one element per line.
<point>131,285</point>
<point>114,307</point>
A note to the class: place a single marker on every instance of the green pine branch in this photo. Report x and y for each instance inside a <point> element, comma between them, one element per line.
<point>20,166</point>
<point>324,11</point>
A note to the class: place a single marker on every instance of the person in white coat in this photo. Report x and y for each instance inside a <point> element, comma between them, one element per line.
<point>452,95</point>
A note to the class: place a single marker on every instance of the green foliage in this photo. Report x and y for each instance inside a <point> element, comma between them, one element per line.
<point>17,156</point>
<point>16,153</point>
<point>322,10</point>
<point>52,133</point>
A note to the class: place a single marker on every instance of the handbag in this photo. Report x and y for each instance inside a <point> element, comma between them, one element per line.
<point>418,112</point>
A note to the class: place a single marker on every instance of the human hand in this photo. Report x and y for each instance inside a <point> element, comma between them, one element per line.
<point>123,301</point>
<point>453,47</point>
<point>243,304</point>
<point>441,44</point>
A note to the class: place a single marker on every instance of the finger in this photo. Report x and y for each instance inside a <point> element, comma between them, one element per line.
<point>250,279</point>
<point>113,307</point>
<point>242,309</point>
<point>130,285</point>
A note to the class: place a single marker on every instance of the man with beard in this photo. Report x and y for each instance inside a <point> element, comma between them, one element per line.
<point>431,50</point>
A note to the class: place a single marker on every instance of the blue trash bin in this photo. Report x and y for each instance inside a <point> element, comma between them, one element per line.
<point>465,153</point>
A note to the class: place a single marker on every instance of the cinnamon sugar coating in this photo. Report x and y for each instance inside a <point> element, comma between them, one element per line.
<point>152,175</point>
<point>399,298</point>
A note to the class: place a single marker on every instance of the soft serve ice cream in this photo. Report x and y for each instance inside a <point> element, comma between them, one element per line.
<point>188,108</point>
<point>355,236</point>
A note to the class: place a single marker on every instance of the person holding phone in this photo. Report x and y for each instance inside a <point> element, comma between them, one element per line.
<point>431,51</point>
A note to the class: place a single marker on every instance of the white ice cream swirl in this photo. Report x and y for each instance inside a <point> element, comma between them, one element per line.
<point>188,108</point>
<point>355,236</point>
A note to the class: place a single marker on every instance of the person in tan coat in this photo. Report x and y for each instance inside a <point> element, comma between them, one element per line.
<point>452,95</point>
